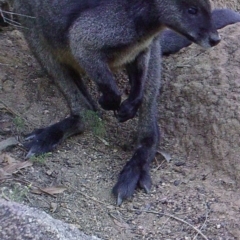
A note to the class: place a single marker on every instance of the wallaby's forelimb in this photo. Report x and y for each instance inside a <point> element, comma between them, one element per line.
<point>137,71</point>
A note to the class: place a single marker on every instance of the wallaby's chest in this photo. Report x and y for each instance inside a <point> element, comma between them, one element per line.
<point>117,56</point>
<point>126,54</point>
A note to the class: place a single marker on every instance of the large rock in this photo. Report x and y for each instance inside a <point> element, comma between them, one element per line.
<point>200,102</point>
<point>19,222</point>
<point>233,4</point>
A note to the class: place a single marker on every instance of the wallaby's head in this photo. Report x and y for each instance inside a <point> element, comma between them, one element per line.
<point>193,19</point>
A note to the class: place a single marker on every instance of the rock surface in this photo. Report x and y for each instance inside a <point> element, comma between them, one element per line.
<point>200,102</point>
<point>233,4</point>
<point>20,222</point>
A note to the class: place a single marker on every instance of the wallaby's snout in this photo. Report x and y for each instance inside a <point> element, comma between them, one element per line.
<point>214,39</point>
<point>208,39</point>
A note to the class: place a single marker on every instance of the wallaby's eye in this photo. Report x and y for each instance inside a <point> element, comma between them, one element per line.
<point>193,10</point>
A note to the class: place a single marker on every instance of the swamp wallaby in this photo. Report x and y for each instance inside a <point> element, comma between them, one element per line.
<point>94,37</point>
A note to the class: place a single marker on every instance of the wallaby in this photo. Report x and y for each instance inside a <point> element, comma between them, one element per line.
<point>94,37</point>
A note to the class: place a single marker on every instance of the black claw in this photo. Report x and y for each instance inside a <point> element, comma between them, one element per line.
<point>145,181</point>
<point>115,114</point>
<point>146,188</point>
<point>29,154</point>
<point>119,200</point>
<point>39,146</point>
<point>33,134</point>
<point>30,137</point>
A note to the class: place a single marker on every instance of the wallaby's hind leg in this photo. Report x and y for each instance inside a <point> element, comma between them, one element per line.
<point>46,139</point>
<point>136,171</point>
<point>137,76</point>
<point>69,82</point>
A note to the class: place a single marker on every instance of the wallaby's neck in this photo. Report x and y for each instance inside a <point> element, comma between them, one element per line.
<point>146,14</point>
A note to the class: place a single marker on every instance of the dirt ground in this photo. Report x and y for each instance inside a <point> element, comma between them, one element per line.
<point>187,193</point>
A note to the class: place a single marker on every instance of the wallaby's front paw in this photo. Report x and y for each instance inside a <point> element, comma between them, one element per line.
<point>127,110</point>
<point>110,101</point>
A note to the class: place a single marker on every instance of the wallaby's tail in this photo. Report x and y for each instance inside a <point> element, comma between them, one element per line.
<point>172,42</point>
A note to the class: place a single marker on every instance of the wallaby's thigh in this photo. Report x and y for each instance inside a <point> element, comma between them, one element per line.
<point>70,84</point>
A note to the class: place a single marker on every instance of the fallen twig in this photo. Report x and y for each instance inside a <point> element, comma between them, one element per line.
<point>176,218</point>
<point>18,14</point>
<point>89,197</point>
<point>202,225</point>
<point>10,21</point>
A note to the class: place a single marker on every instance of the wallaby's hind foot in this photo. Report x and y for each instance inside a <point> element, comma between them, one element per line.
<point>134,174</point>
<point>46,139</point>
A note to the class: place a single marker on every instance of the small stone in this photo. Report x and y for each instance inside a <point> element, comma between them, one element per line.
<point>218,226</point>
<point>179,164</point>
<point>176,182</point>
<point>8,85</point>
<point>45,112</point>
<point>53,207</point>
<point>49,172</point>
